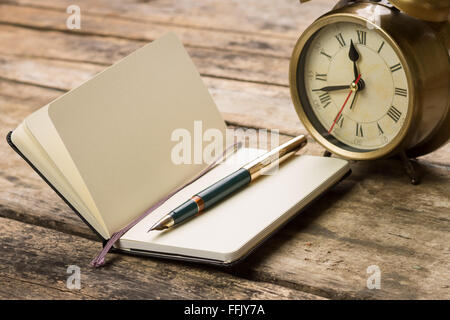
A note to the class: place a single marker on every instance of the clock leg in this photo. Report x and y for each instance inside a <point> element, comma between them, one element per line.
<point>409,169</point>
<point>327,153</point>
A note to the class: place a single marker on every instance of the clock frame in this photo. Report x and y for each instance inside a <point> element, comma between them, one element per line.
<point>426,65</point>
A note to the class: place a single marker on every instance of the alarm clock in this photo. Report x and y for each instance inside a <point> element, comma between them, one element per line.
<point>370,81</point>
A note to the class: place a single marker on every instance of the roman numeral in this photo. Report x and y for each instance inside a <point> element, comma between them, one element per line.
<point>381,47</point>
<point>340,39</point>
<point>401,92</point>
<point>396,67</point>
<point>326,55</point>
<point>340,120</point>
<point>325,99</point>
<point>359,130</point>
<point>380,131</point>
<point>362,36</point>
<point>394,113</point>
<point>321,76</point>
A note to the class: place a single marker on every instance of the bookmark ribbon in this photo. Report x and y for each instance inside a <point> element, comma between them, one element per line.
<point>99,260</point>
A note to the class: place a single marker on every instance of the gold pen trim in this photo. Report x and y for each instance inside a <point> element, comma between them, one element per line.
<point>269,160</point>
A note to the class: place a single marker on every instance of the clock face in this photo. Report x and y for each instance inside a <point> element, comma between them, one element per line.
<point>353,86</point>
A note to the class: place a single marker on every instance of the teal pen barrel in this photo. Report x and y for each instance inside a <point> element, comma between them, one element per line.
<point>211,195</point>
<point>224,187</point>
<point>185,211</point>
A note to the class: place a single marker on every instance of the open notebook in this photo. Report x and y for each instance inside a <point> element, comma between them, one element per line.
<point>105,147</point>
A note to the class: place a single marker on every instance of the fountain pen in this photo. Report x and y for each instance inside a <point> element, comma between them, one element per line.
<point>230,184</point>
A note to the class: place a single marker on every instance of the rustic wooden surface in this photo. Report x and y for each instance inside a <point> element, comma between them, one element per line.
<point>242,50</point>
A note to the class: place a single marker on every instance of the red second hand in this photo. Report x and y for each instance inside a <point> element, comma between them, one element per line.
<point>342,108</point>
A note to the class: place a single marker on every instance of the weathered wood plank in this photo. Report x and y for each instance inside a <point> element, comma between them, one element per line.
<point>14,289</point>
<point>34,263</point>
<point>110,26</point>
<point>46,73</point>
<point>375,217</point>
<point>327,249</point>
<point>241,103</point>
<point>281,19</point>
<point>106,50</point>
<point>21,191</point>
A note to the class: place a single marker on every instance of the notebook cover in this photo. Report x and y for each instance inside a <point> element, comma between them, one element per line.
<point>158,254</point>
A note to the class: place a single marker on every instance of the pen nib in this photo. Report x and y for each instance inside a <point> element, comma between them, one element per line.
<point>165,223</point>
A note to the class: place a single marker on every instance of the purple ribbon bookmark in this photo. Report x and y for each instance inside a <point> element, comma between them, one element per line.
<point>99,260</point>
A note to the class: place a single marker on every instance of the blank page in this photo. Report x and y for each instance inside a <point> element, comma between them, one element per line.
<point>230,229</point>
<point>117,128</point>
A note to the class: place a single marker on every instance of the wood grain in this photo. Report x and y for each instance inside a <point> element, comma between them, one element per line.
<point>372,218</point>
<point>242,103</point>
<point>326,249</point>
<point>242,50</point>
<point>41,257</point>
<point>282,19</point>
<point>133,29</point>
<point>106,50</point>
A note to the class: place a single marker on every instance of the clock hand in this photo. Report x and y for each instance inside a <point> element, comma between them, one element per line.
<point>354,87</point>
<point>332,88</point>
<point>353,54</point>
<point>354,99</point>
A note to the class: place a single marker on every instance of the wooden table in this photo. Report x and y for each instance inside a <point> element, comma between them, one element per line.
<point>242,50</point>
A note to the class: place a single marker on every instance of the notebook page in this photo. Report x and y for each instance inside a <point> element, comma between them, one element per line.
<point>228,230</point>
<point>35,152</point>
<point>42,129</point>
<point>117,127</point>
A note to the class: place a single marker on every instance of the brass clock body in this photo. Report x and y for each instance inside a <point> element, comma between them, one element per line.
<point>423,51</point>
<point>430,10</point>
